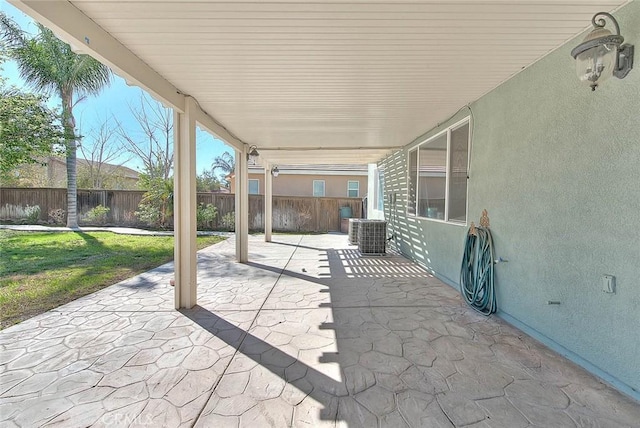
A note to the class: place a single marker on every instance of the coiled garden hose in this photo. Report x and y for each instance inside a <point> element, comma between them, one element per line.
<point>476,273</point>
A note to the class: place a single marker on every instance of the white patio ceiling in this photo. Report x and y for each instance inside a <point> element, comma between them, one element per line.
<point>319,82</point>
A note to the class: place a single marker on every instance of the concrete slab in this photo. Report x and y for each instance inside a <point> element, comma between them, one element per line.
<point>306,334</point>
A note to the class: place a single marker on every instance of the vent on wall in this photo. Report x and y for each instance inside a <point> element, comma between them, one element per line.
<point>372,236</point>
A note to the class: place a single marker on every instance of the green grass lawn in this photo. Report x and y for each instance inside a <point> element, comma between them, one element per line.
<point>41,271</point>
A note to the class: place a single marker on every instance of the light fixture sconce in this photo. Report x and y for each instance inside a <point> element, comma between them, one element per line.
<point>275,171</point>
<point>252,156</point>
<point>602,54</point>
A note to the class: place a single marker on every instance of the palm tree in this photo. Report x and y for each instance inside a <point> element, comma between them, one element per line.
<point>226,163</point>
<point>48,65</point>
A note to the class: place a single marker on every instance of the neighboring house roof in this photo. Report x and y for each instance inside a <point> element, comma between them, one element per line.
<point>107,168</point>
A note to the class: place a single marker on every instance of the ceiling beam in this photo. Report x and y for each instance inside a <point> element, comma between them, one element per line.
<point>324,156</point>
<point>214,127</point>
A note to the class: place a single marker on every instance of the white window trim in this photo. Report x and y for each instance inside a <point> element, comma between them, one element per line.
<point>357,190</point>
<point>250,180</point>
<point>324,188</point>
<point>447,131</point>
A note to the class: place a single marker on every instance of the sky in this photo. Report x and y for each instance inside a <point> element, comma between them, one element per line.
<point>113,101</point>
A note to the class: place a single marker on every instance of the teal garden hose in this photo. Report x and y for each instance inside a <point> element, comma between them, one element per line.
<point>476,273</point>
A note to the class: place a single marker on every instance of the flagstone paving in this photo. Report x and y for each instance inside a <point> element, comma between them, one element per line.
<point>306,334</point>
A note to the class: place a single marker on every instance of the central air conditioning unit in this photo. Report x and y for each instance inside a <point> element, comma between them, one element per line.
<point>372,236</point>
<point>353,230</point>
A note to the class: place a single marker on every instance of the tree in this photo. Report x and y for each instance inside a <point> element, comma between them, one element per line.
<point>29,130</point>
<point>101,149</point>
<point>156,205</point>
<point>47,64</point>
<point>153,141</point>
<point>207,182</point>
<point>225,163</point>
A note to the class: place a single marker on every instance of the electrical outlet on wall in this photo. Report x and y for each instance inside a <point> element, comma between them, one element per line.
<point>608,283</point>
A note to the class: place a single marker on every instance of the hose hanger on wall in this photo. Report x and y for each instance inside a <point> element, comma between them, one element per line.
<point>476,273</point>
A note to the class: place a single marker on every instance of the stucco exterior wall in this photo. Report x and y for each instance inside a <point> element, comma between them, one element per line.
<point>558,169</point>
<point>302,185</point>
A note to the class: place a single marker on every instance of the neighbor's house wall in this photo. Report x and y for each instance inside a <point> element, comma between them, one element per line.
<point>52,172</point>
<point>558,169</point>
<point>335,186</point>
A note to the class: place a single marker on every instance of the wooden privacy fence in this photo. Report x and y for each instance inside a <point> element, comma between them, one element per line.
<point>122,203</point>
<point>290,213</point>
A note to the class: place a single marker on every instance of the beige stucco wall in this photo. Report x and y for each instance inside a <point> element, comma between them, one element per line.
<point>302,185</point>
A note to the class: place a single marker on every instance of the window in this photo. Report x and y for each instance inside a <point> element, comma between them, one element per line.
<point>353,189</point>
<point>437,186</point>
<point>318,188</point>
<point>254,186</point>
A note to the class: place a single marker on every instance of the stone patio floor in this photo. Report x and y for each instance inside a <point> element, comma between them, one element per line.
<point>306,334</point>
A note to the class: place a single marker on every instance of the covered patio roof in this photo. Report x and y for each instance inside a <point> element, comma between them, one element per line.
<point>314,82</point>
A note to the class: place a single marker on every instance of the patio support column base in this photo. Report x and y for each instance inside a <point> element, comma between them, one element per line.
<point>242,205</point>
<point>184,206</point>
<point>268,203</point>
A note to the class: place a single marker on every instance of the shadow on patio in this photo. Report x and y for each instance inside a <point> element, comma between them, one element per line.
<point>307,334</point>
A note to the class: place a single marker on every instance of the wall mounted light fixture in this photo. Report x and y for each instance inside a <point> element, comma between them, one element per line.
<point>252,156</point>
<point>602,53</point>
<point>275,171</point>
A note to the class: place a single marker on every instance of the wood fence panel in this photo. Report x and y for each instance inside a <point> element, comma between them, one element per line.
<point>123,204</point>
<point>89,199</point>
<point>256,212</point>
<point>329,212</point>
<point>46,199</point>
<point>55,199</point>
<point>290,213</point>
<point>225,204</point>
<point>293,214</point>
<point>321,222</point>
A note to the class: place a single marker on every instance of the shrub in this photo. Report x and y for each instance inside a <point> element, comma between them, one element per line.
<point>228,222</point>
<point>57,216</point>
<point>156,207</point>
<point>29,214</point>
<point>129,217</point>
<point>206,215</point>
<point>98,214</point>
<point>32,213</point>
<point>148,214</point>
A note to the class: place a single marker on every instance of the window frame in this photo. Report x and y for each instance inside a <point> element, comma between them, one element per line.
<point>249,186</point>
<point>416,148</point>
<point>324,188</point>
<point>357,189</point>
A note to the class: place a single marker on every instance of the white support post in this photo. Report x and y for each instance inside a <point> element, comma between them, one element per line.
<point>268,203</point>
<point>184,206</point>
<point>242,205</point>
